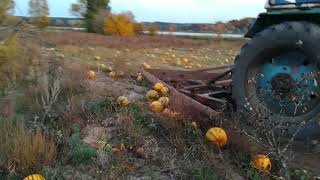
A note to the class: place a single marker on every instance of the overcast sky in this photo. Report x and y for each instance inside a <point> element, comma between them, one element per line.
<point>179,11</point>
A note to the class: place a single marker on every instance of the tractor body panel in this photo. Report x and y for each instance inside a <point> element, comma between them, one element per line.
<point>270,18</point>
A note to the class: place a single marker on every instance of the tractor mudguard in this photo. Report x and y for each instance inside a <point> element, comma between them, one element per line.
<point>268,19</point>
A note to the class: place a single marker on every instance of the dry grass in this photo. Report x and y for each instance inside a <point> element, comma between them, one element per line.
<point>24,152</point>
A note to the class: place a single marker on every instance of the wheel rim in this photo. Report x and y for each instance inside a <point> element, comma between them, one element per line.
<point>288,84</point>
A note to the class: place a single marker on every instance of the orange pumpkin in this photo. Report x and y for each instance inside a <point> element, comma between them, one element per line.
<point>152,95</point>
<point>165,101</point>
<point>91,75</point>
<point>218,136</point>
<point>120,74</point>
<point>156,106</point>
<point>262,162</point>
<point>158,87</point>
<point>194,125</point>
<point>97,58</point>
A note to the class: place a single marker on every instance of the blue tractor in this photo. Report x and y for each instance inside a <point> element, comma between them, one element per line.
<point>276,74</point>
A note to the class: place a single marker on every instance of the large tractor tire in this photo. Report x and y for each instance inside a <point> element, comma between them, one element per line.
<point>276,76</point>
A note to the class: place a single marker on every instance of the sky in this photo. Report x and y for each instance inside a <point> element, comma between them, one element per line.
<point>177,11</point>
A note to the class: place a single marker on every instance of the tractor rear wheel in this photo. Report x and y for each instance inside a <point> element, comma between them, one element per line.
<point>276,76</point>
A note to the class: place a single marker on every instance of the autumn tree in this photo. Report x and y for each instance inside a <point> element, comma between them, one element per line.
<point>5,7</point>
<point>122,24</point>
<point>93,12</point>
<point>138,28</point>
<point>39,13</point>
<point>153,29</point>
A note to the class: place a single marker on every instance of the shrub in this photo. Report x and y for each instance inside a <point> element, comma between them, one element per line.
<point>12,61</point>
<point>153,29</point>
<point>24,152</point>
<point>120,24</point>
<point>80,154</point>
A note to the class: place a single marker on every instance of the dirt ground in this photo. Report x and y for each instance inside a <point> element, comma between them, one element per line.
<point>133,142</point>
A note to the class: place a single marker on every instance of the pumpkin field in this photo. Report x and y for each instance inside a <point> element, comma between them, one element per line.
<point>76,106</point>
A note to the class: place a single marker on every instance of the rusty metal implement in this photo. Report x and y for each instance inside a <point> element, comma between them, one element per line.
<point>196,93</point>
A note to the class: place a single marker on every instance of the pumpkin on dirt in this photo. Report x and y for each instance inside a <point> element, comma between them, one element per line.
<point>218,136</point>
<point>165,91</point>
<point>165,101</point>
<point>91,75</point>
<point>102,67</point>
<point>97,58</point>
<point>109,69</point>
<point>158,87</point>
<point>146,66</point>
<point>120,74</point>
<point>34,177</point>
<point>112,74</point>
<point>140,151</point>
<point>152,95</point>
<point>156,106</point>
<point>168,113</point>
<point>139,77</point>
<point>262,162</point>
<point>123,101</point>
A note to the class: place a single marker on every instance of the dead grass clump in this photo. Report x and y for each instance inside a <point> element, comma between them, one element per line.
<point>23,152</point>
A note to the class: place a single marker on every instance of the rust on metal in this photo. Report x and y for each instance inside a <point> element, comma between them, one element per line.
<point>195,93</point>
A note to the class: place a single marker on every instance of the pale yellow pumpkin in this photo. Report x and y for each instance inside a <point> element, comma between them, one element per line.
<point>97,58</point>
<point>165,101</point>
<point>262,162</point>
<point>139,78</point>
<point>218,136</point>
<point>146,66</point>
<point>156,106</point>
<point>152,95</point>
<point>123,101</point>
<point>112,74</point>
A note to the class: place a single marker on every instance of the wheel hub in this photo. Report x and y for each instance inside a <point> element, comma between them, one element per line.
<point>288,85</point>
<point>282,84</point>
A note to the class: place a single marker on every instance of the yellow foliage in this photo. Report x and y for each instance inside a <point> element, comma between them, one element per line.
<point>120,25</point>
<point>12,62</point>
<point>41,22</point>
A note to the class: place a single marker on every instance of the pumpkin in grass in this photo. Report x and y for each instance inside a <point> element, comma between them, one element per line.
<point>34,177</point>
<point>91,75</point>
<point>123,101</point>
<point>139,77</point>
<point>262,162</point>
<point>165,91</point>
<point>168,113</point>
<point>152,95</point>
<point>165,101</point>
<point>158,87</point>
<point>112,74</point>
<point>194,125</point>
<point>156,106</point>
<point>218,136</point>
